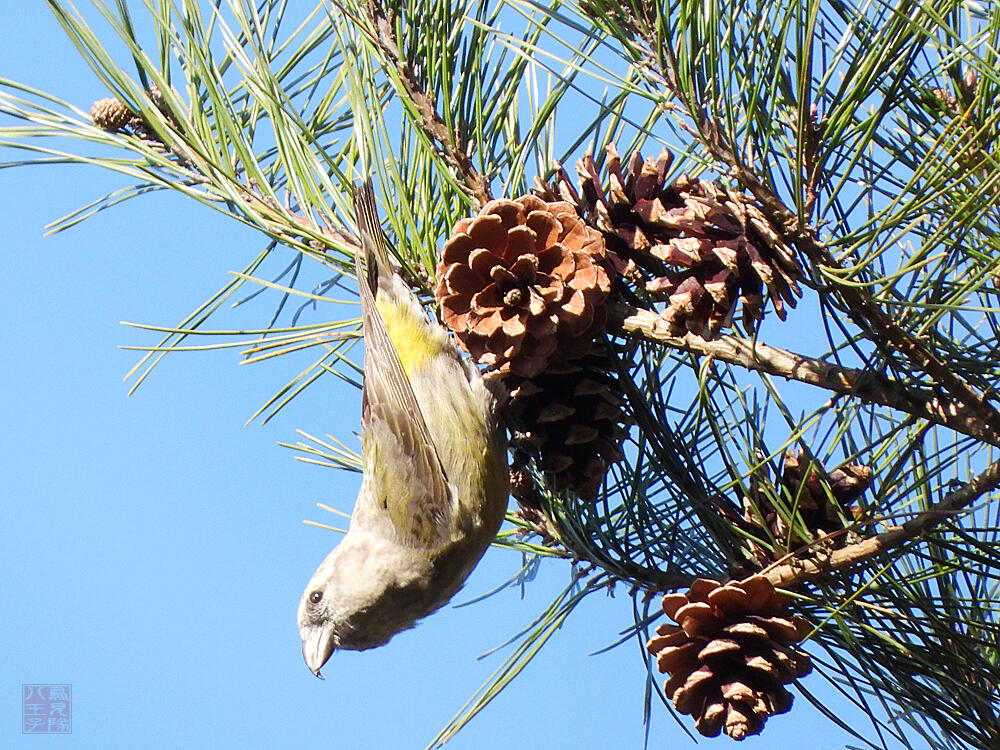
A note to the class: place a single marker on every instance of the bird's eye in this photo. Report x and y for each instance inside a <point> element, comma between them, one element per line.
<point>315,597</point>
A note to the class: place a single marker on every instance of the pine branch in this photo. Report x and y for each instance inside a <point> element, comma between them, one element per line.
<point>885,332</point>
<point>869,387</point>
<point>383,20</point>
<point>788,575</point>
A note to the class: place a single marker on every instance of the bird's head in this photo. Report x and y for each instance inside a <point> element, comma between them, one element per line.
<point>361,595</point>
<point>318,614</point>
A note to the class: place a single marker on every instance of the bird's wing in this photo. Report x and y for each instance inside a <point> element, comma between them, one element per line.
<point>406,474</point>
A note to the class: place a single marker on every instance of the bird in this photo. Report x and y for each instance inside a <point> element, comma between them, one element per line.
<point>435,477</point>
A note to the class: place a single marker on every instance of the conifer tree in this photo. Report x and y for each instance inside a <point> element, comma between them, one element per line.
<point>736,262</point>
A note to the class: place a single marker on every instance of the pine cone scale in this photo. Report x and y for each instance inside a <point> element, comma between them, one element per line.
<point>546,228</point>
<point>488,232</point>
<point>459,281</point>
<point>522,241</point>
<point>482,261</point>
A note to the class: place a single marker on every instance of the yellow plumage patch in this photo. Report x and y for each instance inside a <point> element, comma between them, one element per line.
<point>409,333</point>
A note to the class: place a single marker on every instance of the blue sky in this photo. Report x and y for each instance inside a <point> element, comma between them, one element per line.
<point>152,546</point>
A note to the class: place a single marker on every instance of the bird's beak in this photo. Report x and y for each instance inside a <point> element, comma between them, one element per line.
<point>317,645</point>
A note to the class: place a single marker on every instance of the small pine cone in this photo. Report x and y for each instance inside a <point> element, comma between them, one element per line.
<point>945,100</point>
<point>571,420</point>
<point>703,248</point>
<point>111,114</point>
<point>142,130</point>
<point>523,284</point>
<point>730,655</point>
<point>823,500</point>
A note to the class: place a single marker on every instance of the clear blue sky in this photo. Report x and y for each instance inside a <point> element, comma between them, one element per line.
<point>152,547</point>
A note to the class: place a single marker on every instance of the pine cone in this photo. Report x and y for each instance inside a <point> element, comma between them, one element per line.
<point>730,655</point>
<point>111,114</point>
<point>570,420</point>
<point>823,502</point>
<point>523,284</point>
<point>699,246</point>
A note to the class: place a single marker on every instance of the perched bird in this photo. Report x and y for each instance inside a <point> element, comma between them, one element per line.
<point>435,482</point>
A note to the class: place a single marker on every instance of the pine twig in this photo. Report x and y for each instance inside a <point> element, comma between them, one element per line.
<point>869,387</point>
<point>384,22</point>
<point>790,574</point>
<point>884,331</point>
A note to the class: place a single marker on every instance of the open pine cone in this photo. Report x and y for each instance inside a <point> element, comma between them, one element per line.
<point>523,284</point>
<point>730,655</point>
<point>702,248</point>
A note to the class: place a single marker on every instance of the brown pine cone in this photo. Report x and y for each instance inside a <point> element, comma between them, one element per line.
<point>702,248</point>
<point>814,488</point>
<point>730,655</point>
<point>571,421</point>
<point>111,114</point>
<point>523,283</point>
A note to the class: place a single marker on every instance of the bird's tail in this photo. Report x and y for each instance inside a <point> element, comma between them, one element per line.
<point>374,244</point>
